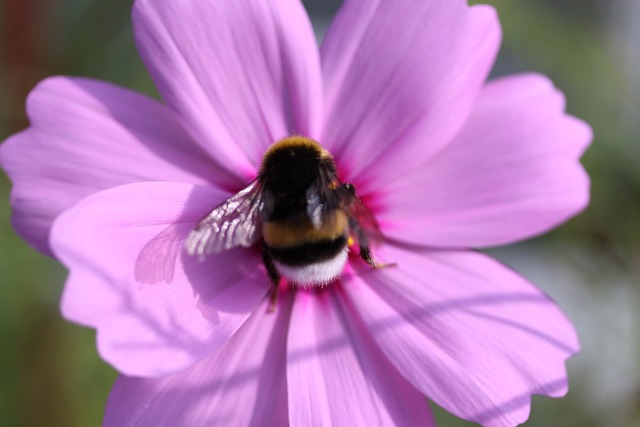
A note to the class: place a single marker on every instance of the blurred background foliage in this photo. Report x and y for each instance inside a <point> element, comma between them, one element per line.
<point>50,374</point>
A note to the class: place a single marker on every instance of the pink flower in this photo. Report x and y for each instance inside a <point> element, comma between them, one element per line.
<point>110,182</point>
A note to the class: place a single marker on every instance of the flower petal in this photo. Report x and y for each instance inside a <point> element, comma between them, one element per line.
<point>513,172</point>
<point>242,384</point>
<point>472,335</point>
<point>86,136</point>
<point>336,375</point>
<point>240,74</point>
<point>157,310</point>
<point>400,77</point>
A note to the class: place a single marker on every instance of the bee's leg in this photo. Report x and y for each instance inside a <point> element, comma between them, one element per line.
<point>367,256</point>
<point>274,276</point>
<point>365,249</point>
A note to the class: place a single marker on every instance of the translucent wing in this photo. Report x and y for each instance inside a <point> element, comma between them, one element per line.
<point>316,207</point>
<point>322,198</point>
<point>363,224</point>
<point>236,222</point>
<point>333,194</point>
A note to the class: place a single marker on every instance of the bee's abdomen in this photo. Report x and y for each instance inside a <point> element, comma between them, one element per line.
<point>309,252</point>
<point>297,243</point>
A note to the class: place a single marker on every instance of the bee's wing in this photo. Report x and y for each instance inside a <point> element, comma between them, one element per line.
<point>365,228</point>
<point>322,198</point>
<point>236,222</point>
<point>317,205</point>
<point>333,194</point>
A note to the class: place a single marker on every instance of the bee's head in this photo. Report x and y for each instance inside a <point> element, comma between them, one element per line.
<point>292,165</point>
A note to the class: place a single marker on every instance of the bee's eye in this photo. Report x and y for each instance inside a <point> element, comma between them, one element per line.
<point>350,188</point>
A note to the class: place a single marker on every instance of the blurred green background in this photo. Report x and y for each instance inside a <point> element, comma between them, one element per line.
<point>50,374</point>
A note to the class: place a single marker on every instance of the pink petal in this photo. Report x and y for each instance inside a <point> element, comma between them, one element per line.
<point>400,79</point>
<point>472,335</point>
<point>337,376</point>
<point>242,384</point>
<point>240,74</point>
<point>86,136</point>
<point>157,310</point>
<point>513,172</point>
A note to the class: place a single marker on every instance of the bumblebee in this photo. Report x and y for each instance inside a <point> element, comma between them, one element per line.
<point>305,217</point>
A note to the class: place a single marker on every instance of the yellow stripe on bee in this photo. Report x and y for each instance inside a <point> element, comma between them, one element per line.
<point>296,141</point>
<point>287,233</point>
